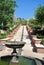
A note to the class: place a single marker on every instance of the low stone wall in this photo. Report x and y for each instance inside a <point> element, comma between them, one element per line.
<point>40,50</point>
<point>36,41</point>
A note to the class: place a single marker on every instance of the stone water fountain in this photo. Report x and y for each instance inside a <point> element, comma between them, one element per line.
<point>15,45</point>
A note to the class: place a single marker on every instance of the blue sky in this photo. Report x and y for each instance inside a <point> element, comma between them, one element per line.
<point>26,8</point>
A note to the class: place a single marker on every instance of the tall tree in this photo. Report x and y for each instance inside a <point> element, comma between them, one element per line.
<point>7,8</point>
<point>39,14</point>
<point>32,21</point>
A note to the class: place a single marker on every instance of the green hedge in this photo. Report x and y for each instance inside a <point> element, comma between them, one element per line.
<point>42,42</point>
<point>40,36</point>
<point>2,36</point>
<point>3,27</point>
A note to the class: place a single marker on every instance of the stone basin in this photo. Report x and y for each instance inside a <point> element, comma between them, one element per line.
<point>15,44</point>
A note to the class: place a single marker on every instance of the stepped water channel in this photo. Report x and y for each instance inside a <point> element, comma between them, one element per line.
<point>28,56</point>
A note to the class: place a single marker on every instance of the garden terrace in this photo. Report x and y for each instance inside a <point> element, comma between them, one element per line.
<point>27,49</point>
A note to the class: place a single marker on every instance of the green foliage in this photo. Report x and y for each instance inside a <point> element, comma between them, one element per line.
<point>39,14</point>
<point>40,36</point>
<point>42,42</point>
<point>7,8</point>
<point>3,27</point>
<point>8,32</point>
<point>32,21</point>
<point>22,21</point>
<point>2,36</point>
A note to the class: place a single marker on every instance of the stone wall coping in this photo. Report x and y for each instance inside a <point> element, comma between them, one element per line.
<point>36,39</point>
<point>39,45</point>
<point>5,39</point>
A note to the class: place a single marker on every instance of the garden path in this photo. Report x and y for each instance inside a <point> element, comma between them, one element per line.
<point>27,50</point>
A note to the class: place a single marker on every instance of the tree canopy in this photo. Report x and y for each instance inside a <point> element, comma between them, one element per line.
<point>39,14</point>
<point>32,21</point>
<point>7,8</point>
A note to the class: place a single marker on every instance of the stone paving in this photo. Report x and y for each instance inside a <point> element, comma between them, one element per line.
<point>17,36</point>
<point>27,50</point>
